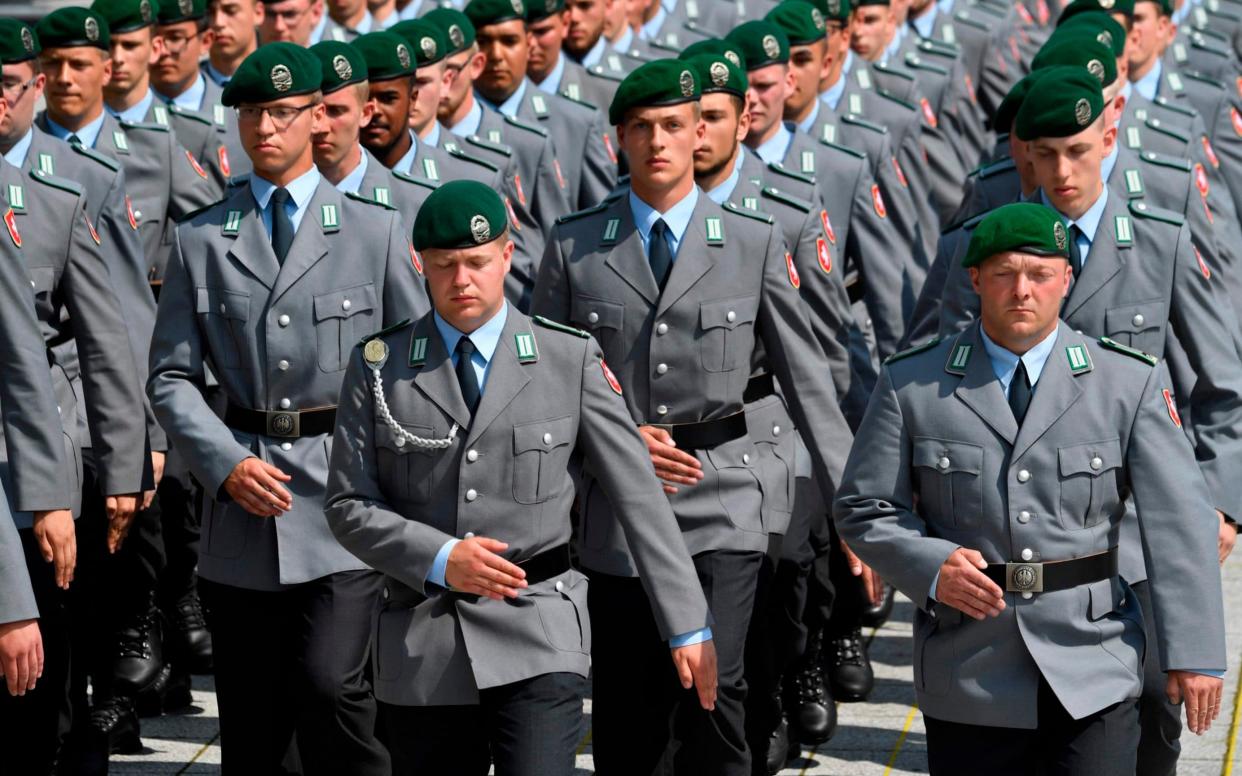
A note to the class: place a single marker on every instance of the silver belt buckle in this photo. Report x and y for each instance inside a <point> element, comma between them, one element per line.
<point>1024,577</point>
<point>287,425</point>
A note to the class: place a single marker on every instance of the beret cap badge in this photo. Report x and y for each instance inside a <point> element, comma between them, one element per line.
<point>27,40</point>
<point>733,57</point>
<point>456,35</point>
<point>1058,235</point>
<point>518,8</point>
<point>720,74</point>
<point>480,230</point>
<point>1096,68</point>
<point>91,28</point>
<point>428,45</point>
<point>817,19</point>
<point>1105,37</point>
<point>144,10</point>
<point>771,47</point>
<point>185,6</point>
<point>1106,4</point>
<point>686,81</point>
<point>403,55</point>
<point>282,79</point>
<point>1082,112</point>
<point>343,69</point>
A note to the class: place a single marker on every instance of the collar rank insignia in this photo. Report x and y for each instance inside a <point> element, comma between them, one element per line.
<point>161,115</point>
<point>1079,359</point>
<point>527,350</point>
<point>330,218</point>
<point>829,133</point>
<point>808,161</point>
<point>430,171</point>
<point>217,113</point>
<point>382,196</point>
<point>46,165</point>
<point>1125,235</point>
<point>856,103</point>
<point>418,351</point>
<point>609,237</point>
<point>539,104</point>
<point>232,223</point>
<point>1133,139</point>
<point>750,203</point>
<point>1134,183</point>
<point>715,231</point>
<point>17,198</point>
<point>959,357</point>
<point>493,135</point>
<point>120,141</point>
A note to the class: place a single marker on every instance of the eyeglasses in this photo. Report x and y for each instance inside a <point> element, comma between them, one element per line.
<point>14,91</point>
<point>282,117</point>
<point>175,44</point>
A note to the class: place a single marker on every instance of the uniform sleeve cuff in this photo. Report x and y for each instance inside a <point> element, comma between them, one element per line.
<point>440,565</point>
<point>693,637</point>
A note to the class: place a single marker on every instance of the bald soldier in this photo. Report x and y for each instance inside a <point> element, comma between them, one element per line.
<point>989,485</point>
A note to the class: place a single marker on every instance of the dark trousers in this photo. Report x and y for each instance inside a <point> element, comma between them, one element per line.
<point>1160,722</point>
<point>528,728</point>
<point>643,722</point>
<point>292,661</point>
<point>178,517</point>
<point>1101,744</point>
<point>33,727</point>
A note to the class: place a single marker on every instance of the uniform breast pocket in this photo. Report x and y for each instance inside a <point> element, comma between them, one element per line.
<point>602,318</point>
<point>223,315</point>
<point>540,453</point>
<point>404,468</point>
<point>563,613</point>
<point>1139,325</point>
<point>950,480</point>
<point>727,333</point>
<point>341,319</point>
<point>1089,485</point>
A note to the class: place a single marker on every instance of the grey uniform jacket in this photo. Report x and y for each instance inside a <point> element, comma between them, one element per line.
<point>942,464</point>
<point>405,193</point>
<point>508,475</point>
<point>685,355</point>
<point>594,85</point>
<point>276,337</point>
<point>196,133</point>
<point>225,118</point>
<point>583,142</point>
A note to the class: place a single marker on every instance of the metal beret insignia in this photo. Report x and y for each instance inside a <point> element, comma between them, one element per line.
<point>343,69</point>
<point>403,55</point>
<point>687,83</point>
<point>91,28</point>
<point>282,79</point>
<point>185,6</point>
<point>1106,4</point>
<point>456,36</point>
<point>719,73</point>
<point>428,45</point>
<point>834,7</point>
<point>771,47</point>
<point>549,5</point>
<point>518,8</point>
<point>1058,235</point>
<point>144,10</point>
<point>27,40</point>
<point>817,19</point>
<point>1096,68</point>
<point>1105,37</point>
<point>480,230</point>
<point>733,57</point>
<point>1082,112</point>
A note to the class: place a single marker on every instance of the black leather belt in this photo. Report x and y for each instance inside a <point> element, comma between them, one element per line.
<point>1048,577</point>
<point>707,434</point>
<point>547,564</point>
<point>285,424</point>
<point>760,387</point>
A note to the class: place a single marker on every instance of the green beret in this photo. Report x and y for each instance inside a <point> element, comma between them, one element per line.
<point>717,74</point>
<point>658,83</point>
<point>272,72</point>
<point>455,26</point>
<point>1067,101</point>
<point>177,11</point>
<point>72,26</point>
<point>542,9</point>
<point>127,15</point>
<point>342,65</point>
<point>833,10</point>
<point>725,48</point>
<point>484,12</point>
<point>1123,7</point>
<point>1008,108</point>
<point>18,43</point>
<point>1165,6</point>
<point>1102,26</point>
<point>459,214</point>
<point>762,44</point>
<point>1078,48</point>
<point>801,22</point>
<point>387,55</point>
<point>426,40</point>
<point>861,3</point>
<point>1026,227</point>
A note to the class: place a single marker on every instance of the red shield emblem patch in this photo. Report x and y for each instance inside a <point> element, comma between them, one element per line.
<point>1041,10</point>
<point>90,227</point>
<point>613,382</point>
<point>416,260</point>
<point>1239,82</point>
<point>612,152</point>
<point>129,211</point>
<point>970,88</point>
<point>1025,14</point>
<point>225,168</point>
<point>512,215</point>
<point>560,177</point>
<point>878,201</point>
<point>10,220</point>
<point>1210,152</point>
<point>1013,49</point>
<point>1168,402</point>
<point>1201,180</point>
<point>901,175</point>
<point>1237,120</point>
<point>828,230</point>
<point>930,115</point>
<point>203,173</point>
<point>517,182</point>
<point>824,254</point>
<point>794,280</point>
<point>1203,267</point>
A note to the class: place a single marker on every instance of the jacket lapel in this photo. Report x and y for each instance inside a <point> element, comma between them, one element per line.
<point>505,379</point>
<point>437,379</point>
<point>979,388</point>
<point>310,243</point>
<point>626,256</point>
<point>694,257</point>
<point>1056,390</point>
<point>252,248</point>
<point>1105,259</point>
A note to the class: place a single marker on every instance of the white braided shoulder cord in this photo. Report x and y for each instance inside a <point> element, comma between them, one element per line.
<point>400,433</point>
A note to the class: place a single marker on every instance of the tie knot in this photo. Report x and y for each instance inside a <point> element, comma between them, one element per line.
<point>465,347</point>
<point>280,197</point>
<point>659,228</point>
<point>75,140</point>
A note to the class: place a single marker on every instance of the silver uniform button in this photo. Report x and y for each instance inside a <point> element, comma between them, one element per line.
<point>469,535</point>
<point>1096,463</point>
<point>1023,475</point>
<point>776,431</point>
<point>731,316</point>
<point>286,446</point>
<point>346,305</point>
<point>282,365</point>
<point>472,455</point>
<point>472,494</point>
<point>284,404</point>
<point>222,307</point>
<point>593,318</point>
<point>662,328</point>
<point>283,320</point>
<point>661,410</point>
<point>547,439</point>
<point>1024,516</point>
<point>661,368</point>
<point>1027,554</point>
<point>137,214</point>
<point>386,594</point>
<point>745,457</point>
<point>943,463</point>
<point>560,586</point>
<point>1138,320</point>
<point>1028,595</point>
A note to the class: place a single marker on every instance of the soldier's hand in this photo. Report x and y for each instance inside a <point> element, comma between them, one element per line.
<point>157,473</point>
<point>966,588</point>
<point>120,511</point>
<point>58,542</point>
<point>1226,537</point>
<point>674,467</point>
<point>871,581</point>
<point>1201,694</point>
<point>474,566</point>
<point>696,667</point>
<point>255,485</point>
<point>21,655</point>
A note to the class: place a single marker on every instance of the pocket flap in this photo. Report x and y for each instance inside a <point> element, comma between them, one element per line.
<point>1135,318</point>
<point>230,304</point>
<point>1093,458</point>
<point>42,279</point>
<point>727,313</point>
<point>595,313</point>
<point>768,422</point>
<point>385,438</point>
<point>946,456</point>
<point>343,304</point>
<point>544,435</point>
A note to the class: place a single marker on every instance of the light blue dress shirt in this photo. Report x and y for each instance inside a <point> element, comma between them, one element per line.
<point>945,6</point>
<point>596,52</point>
<point>925,25</point>
<point>1149,85</point>
<point>890,51</point>
<point>317,33</point>
<point>1087,224</point>
<point>136,112</point>
<point>220,78</point>
<point>469,125</point>
<point>192,98</point>
<point>775,147</point>
<point>832,95</point>
<point>433,137</point>
<point>16,155</point>
<point>721,193</point>
<point>651,29</point>
<point>88,134</point>
<point>625,43</point>
<point>552,83</point>
<point>352,182</point>
<point>410,11</point>
<point>1110,161</point>
<point>404,164</point>
<point>510,106</point>
<point>676,218</point>
<point>806,125</point>
<point>301,190</point>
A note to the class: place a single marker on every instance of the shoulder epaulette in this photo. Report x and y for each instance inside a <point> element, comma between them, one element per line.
<point>913,60</point>
<point>1156,125</point>
<point>1167,161</point>
<point>57,182</point>
<point>913,350</point>
<point>201,210</point>
<point>1175,107</point>
<point>90,153</point>
<point>574,216</point>
<point>368,200</point>
<point>939,47</point>
<point>843,148</point>
<point>386,331</point>
<point>755,214</point>
<point>1144,210</point>
<point>1113,345</point>
<point>1203,79</point>
<point>995,168</point>
<point>859,121</point>
<point>528,127</point>
<point>457,153</point>
<point>547,324</point>
<point>578,101</point>
<point>892,71</point>
<point>788,199</point>
<point>1223,14</point>
<point>239,180</point>
<point>780,169</point>
<point>151,125</point>
<point>890,96</point>
<point>430,184</point>
<point>1198,41</point>
<point>969,21</point>
<point>497,148</point>
<point>969,223</point>
<point>599,71</point>
<point>193,115</point>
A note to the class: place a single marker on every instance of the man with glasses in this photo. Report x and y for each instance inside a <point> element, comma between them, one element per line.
<point>270,288</point>
<point>303,22</point>
<point>233,25</point>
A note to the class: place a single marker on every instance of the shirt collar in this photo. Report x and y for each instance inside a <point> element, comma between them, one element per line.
<point>721,193</point>
<point>552,83</point>
<point>486,338</point>
<point>775,148</point>
<point>136,112</point>
<point>596,52</point>
<point>925,25</point>
<point>945,6</point>
<point>1089,222</point>
<point>220,78</point>
<point>676,218</point>
<point>317,33</point>
<point>410,11</point>
<point>16,155</point>
<point>1127,89</point>
<point>300,189</point>
<point>352,183</point>
<point>364,26</point>
<point>1005,362</point>
<point>433,137</point>
<point>626,41</point>
<point>832,95</point>
<point>87,134</point>
<point>406,162</point>
<point>470,124</point>
<point>894,45</point>
<point>807,124</point>
<point>652,28</point>
<point>1149,85</point>
<point>192,98</point>
<point>1110,162</point>
<point>511,106</point>
<point>848,64</point>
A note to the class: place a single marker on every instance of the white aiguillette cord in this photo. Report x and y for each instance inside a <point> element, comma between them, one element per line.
<point>403,436</point>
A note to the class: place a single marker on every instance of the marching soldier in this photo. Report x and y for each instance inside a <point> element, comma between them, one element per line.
<point>551,66</point>
<point>270,288</point>
<point>471,566</point>
<point>989,485</point>
<point>232,24</point>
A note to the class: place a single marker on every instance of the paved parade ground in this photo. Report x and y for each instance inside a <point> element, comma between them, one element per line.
<point>880,738</point>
